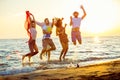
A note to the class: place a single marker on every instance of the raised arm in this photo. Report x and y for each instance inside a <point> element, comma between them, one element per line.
<point>27,23</point>
<point>83,12</point>
<point>70,20</point>
<point>53,22</point>
<point>33,19</point>
<point>32,16</point>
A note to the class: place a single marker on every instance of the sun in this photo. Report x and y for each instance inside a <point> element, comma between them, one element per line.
<point>101,16</point>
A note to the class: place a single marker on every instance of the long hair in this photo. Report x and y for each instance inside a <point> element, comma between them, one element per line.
<point>58,23</point>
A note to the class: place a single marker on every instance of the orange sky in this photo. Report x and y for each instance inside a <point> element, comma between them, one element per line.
<point>103,16</point>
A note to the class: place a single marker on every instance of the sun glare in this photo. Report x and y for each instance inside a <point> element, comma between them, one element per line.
<point>96,39</point>
<point>101,17</point>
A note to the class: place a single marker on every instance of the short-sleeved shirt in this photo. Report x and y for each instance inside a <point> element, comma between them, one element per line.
<point>45,27</point>
<point>76,22</point>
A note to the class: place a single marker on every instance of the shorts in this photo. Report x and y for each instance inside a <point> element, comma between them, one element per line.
<point>46,42</point>
<point>76,35</point>
<point>31,45</point>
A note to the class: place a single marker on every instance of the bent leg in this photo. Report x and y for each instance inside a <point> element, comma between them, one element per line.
<point>52,45</point>
<point>30,44</point>
<point>42,52</point>
<point>36,50</point>
<point>61,54</point>
<point>73,36</point>
<point>79,37</point>
<point>65,49</point>
<point>44,45</point>
<point>48,56</point>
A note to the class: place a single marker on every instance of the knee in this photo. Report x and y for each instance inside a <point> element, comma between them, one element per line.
<point>66,48</point>
<point>37,52</point>
<point>54,48</point>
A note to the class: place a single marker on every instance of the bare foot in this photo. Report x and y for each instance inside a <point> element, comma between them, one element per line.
<point>74,43</point>
<point>60,59</point>
<point>63,58</point>
<point>41,57</point>
<point>23,57</point>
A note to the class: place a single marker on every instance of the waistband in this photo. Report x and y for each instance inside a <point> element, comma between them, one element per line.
<point>75,29</point>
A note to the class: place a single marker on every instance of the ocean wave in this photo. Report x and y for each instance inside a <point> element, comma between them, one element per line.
<point>10,71</point>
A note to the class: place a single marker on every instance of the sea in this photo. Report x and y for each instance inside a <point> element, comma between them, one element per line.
<point>93,50</point>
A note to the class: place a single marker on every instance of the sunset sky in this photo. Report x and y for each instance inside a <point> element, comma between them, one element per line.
<point>103,16</point>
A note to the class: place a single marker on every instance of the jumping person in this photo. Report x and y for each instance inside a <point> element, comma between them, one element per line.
<point>30,26</point>
<point>60,31</point>
<point>46,41</point>
<point>75,23</point>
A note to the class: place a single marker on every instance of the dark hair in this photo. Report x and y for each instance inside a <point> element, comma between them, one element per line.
<point>32,21</point>
<point>75,12</point>
<point>45,19</point>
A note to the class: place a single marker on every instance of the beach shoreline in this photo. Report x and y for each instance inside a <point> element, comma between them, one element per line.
<point>101,71</point>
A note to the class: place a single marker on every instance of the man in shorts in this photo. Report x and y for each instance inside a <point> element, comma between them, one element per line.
<point>46,41</point>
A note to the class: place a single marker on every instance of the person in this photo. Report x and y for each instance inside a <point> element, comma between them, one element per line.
<point>75,23</point>
<point>60,31</point>
<point>30,26</point>
<point>46,41</point>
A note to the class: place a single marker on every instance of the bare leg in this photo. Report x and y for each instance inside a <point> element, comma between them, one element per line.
<point>74,43</point>
<point>48,56</point>
<point>31,47</point>
<point>36,50</point>
<point>51,49</point>
<point>29,57</point>
<point>43,51</point>
<point>51,44</point>
<point>61,54</point>
<point>80,42</point>
<point>23,57</point>
<point>65,53</point>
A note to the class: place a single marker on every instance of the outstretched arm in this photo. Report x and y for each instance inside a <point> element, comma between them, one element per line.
<point>83,12</point>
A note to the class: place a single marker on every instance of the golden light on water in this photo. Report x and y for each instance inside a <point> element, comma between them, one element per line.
<point>96,39</point>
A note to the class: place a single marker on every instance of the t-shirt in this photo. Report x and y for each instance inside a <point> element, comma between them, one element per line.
<point>46,28</point>
<point>76,22</point>
<point>33,33</point>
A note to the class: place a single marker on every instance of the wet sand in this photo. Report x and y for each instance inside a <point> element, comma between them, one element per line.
<point>102,71</point>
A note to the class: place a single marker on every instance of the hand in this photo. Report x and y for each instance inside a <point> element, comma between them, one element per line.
<point>70,17</point>
<point>31,14</point>
<point>81,6</point>
<point>65,25</point>
<point>53,20</point>
<point>62,18</point>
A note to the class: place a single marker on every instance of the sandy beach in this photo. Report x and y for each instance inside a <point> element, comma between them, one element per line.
<point>103,71</point>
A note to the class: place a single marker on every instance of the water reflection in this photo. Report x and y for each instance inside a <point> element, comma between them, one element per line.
<point>96,39</point>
